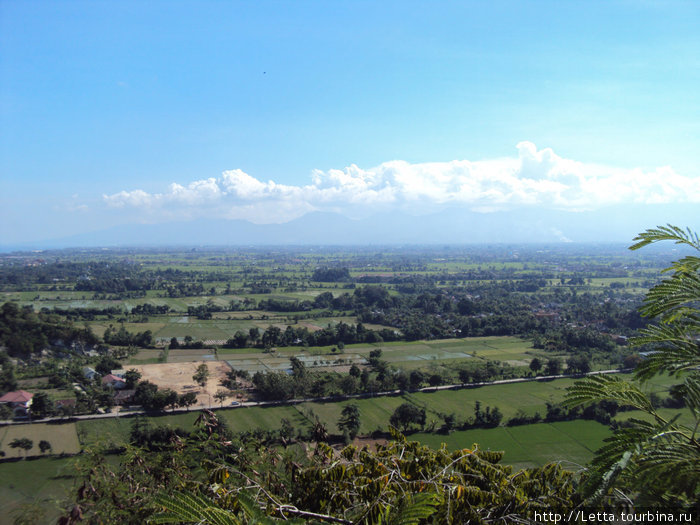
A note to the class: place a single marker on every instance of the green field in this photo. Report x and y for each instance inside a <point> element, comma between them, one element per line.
<point>530,397</point>
<point>115,431</point>
<point>420,353</point>
<point>45,481</point>
<point>406,355</point>
<point>375,412</point>
<point>570,442</point>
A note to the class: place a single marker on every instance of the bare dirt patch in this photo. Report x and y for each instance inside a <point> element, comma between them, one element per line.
<point>178,376</point>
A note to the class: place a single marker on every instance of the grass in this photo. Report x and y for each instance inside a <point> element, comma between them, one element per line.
<point>375,412</point>
<point>45,481</point>
<point>407,355</point>
<point>115,431</point>
<point>528,446</point>
<point>530,396</point>
<point>250,418</point>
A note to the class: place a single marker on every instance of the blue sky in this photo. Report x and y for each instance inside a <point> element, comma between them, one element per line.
<point>122,112</point>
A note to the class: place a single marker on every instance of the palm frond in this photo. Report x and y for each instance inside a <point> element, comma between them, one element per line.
<point>681,289</point>
<point>666,233</point>
<point>188,508</point>
<point>624,440</point>
<point>602,387</point>
<point>675,349</point>
<point>692,393</point>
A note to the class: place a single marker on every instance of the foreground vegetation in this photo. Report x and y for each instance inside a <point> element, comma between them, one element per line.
<point>292,325</point>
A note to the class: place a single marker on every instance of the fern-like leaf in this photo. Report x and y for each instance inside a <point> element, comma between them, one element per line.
<point>666,233</point>
<point>188,508</point>
<point>601,387</point>
<point>417,508</point>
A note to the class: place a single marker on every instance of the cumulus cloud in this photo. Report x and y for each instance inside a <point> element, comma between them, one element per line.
<point>532,178</point>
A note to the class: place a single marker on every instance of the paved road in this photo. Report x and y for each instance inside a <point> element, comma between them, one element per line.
<point>131,413</point>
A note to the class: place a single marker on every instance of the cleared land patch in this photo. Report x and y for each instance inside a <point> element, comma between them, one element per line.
<point>62,437</point>
<point>178,376</point>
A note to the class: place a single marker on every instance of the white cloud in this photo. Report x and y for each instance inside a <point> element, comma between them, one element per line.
<point>533,178</point>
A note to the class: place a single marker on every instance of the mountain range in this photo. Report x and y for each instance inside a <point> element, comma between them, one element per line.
<point>449,226</point>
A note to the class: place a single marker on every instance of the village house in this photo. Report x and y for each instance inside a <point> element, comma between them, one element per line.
<point>19,401</point>
<point>89,373</point>
<point>113,381</point>
<point>124,397</point>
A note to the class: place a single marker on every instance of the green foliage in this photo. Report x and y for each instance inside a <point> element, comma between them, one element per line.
<point>8,381</point>
<point>24,332</point>
<point>6,412</point>
<point>201,375</point>
<point>189,508</point>
<point>657,462</point>
<point>207,476</point>
<point>41,405</point>
<point>553,367</point>
<point>404,482</point>
<point>24,443</point>
<point>350,420</point>
<point>132,377</point>
<point>407,414</point>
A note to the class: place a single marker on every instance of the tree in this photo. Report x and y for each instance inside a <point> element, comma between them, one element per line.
<point>435,380</point>
<point>286,431</point>
<point>374,356</point>
<point>41,405</point>
<point>24,443</point>
<point>350,420</point>
<point>8,381</point>
<point>274,385</point>
<point>248,482</point>
<point>535,365</point>
<point>631,361</point>
<point>44,446</point>
<point>578,364</point>
<point>407,414</point>
<point>553,367</point>
<point>464,375</point>
<point>239,340</point>
<point>348,384</point>
<point>106,364</point>
<point>655,462</point>
<point>5,412</point>
<point>319,432</point>
<point>132,377</point>
<point>174,343</point>
<point>416,378</point>
<point>145,391</point>
<point>254,335</point>
<point>201,376</point>
<point>221,396</point>
<point>187,400</point>
<point>170,397</point>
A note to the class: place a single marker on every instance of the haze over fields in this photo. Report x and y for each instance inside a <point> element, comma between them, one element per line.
<point>126,123</point>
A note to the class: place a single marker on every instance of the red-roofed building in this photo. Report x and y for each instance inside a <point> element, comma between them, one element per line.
<point>113,381</point>
<point>19,401</point>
